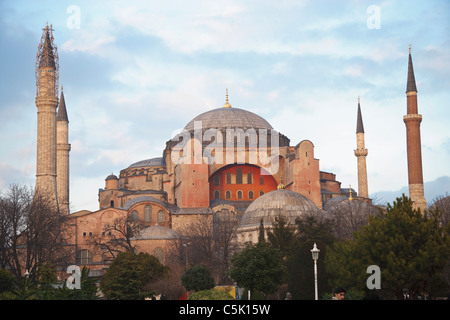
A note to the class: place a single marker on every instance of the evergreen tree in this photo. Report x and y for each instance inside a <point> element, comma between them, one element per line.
<point>197,278</point>
<point>258,267</point>
<point>129,273</point>
<point>411,249</point>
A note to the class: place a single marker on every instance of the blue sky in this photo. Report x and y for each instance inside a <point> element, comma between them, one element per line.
<point>136,72</point>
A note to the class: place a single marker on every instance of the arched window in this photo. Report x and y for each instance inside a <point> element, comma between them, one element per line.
<point>216,180</point>
<point>261,193</point>
<point>239,176</point>
<point>250,194</point>
<point>84,256</point>
<point>239,194</point>
<point>134,215</point>
<point>249,178</point>
<point>148,213</point>
<point>111,204</point>
<point>159,254</point>
<point>261,180</point>
<point>228,178</point>
<point>216,194</point>
<point>161,216</point>
<point>228,194</point>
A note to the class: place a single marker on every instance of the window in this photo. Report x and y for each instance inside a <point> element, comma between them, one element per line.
<point>261,193</point>
<point>84,257</point>
<point>239,194</point>
<point>228,194</point>
<point>239,176</point>
<point>216,194</point>
<point>134,215</point>
<point>228,178</point>
<point>216,180</point>
<point>249,178</point>
<point>250,194</point>
<point>161,217</point>
<point>261,180</point>
<point>148,214</point>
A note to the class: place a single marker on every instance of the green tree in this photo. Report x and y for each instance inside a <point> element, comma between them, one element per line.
<point>129,273</point>
<point>411,249</point>
<point>197,278</point>
<point>6,280</point>
<point>310,229</point>
<point>258,267</point>
<point>282,235</point>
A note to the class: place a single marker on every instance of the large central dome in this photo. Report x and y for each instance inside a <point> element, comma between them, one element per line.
<point>229,118</point>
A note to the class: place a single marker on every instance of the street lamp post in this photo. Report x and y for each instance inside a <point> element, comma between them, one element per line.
<point>315,256</point>
<point>185,245</point>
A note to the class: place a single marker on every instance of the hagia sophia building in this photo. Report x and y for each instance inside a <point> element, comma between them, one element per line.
<point>226,162</point>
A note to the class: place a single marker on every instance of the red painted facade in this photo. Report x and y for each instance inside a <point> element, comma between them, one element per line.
<point>240,182</point>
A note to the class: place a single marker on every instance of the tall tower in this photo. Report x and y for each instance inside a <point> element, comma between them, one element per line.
<point>414,150</point>
<point>361,154</point>
<point>46,102</point>
<point>62,155</point>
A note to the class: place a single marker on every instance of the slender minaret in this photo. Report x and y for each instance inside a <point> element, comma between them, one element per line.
<point>414,150</point>
<point>361,154</point>
<point>46,102</point>
<point>62,155</point>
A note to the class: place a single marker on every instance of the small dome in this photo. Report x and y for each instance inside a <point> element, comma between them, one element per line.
<point>286,203</point>
<point>157,233</point>
<point>112,177</point>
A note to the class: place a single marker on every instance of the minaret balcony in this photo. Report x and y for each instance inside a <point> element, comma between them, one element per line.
<point>361,152</point>
<point>414,117</point>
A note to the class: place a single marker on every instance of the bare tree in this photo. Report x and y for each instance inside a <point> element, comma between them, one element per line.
<point>117,236</point>
<point>225,223</point>
<point>209,241</point>
<point>32,231</point>
<point>443,204</point>
<point>350,216</point>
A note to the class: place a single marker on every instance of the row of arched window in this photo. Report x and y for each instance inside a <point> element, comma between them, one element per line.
<point>160,217</point>
<point>239,174</point>
<point>239,194</point>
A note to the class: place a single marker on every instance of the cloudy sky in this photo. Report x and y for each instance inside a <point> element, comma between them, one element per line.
<point>136,72</point>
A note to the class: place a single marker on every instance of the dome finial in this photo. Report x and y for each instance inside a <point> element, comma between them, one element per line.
<point>281,185</point>
<point>227,104</point>
<point>350,189</point>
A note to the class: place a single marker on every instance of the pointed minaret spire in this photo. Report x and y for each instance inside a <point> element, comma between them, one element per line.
<point>359,122</point>
<point>361,154</point>
<point>411,82</point>
<point>412,120</point>
<point>62,112</point>
<point>47,58</point>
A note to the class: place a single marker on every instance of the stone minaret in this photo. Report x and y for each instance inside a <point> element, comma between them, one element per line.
<point>361,154</point>
<point>46,103</point>
<point>62,155</point>
<point>414,150</point>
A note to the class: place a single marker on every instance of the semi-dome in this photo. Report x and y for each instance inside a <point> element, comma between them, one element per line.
<point>229,118</point>
<point>148,163</point>
<point>289,204</point>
